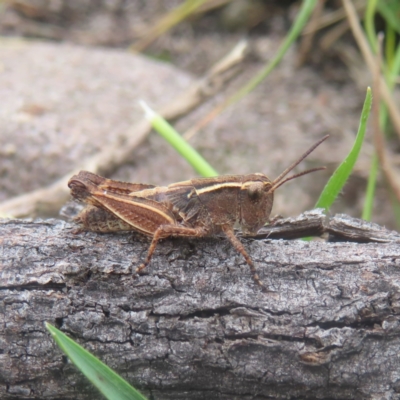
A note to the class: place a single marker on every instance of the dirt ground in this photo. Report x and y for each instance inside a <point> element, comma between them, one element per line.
<point>70,87</point>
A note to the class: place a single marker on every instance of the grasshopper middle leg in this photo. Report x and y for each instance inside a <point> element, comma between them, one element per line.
<point>165,231</point>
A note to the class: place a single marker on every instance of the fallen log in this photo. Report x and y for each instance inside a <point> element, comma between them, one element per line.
<point>195,326</point>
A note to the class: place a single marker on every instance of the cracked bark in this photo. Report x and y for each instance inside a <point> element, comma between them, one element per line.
<point>196,326</point>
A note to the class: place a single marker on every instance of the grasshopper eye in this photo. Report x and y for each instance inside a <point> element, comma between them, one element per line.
<point>255,190</point>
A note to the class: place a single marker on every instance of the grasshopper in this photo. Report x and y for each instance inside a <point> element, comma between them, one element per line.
<point>195,208</point>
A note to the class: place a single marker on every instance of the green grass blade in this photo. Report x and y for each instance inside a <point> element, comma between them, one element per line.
<point>178,142</point>
<point>395,68</point>
<point>110,384</point>
<point>342,173</point>
<point>369,23</point>
<point>396,207</point>
<point>390,14</point>
<point>371,186</point>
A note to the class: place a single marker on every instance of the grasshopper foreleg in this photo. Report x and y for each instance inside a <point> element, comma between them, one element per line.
<point>237,244</point>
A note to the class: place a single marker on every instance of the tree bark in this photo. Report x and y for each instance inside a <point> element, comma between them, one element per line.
<point>196,326</point>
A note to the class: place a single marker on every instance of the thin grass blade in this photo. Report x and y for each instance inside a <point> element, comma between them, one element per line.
<point>178,142</point>
<point>110,384</point>
<point>305,11</point>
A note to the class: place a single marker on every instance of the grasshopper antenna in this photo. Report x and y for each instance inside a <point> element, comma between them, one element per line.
<point>279,181</point>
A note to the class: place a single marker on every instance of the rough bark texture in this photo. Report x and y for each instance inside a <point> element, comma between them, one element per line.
<point>196,326</point>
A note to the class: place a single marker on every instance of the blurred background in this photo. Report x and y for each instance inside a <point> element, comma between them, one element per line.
<point>72,74</point>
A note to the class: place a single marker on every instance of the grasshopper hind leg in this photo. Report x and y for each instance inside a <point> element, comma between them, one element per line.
<point>165,231</point>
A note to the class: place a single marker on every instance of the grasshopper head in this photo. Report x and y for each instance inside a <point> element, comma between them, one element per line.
<point>82,186</point>
<point>257,194</point>
<point>255,199</point>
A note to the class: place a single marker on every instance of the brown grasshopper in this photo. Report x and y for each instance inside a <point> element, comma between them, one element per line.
<point>194,208</point>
